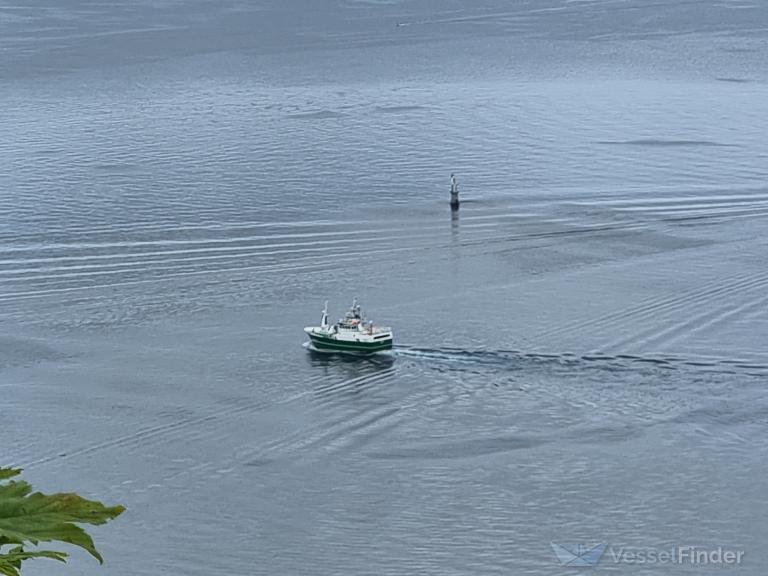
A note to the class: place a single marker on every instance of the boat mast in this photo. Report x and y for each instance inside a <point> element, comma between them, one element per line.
<point>324,321</point>
<point>356,309</point>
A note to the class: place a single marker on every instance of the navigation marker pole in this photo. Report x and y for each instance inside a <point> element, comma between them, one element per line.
<point>454,193</point>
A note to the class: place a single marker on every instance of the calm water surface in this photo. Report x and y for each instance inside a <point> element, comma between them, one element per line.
<point>580,351</point>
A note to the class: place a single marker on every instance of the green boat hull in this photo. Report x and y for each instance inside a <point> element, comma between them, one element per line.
<point>332,345</point>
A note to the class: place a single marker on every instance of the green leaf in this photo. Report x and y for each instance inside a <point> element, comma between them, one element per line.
<point>6,473</point>
<point>10,562</point>
<point>27,517</point>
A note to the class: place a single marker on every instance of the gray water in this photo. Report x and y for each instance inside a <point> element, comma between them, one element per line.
<point>580,352</point>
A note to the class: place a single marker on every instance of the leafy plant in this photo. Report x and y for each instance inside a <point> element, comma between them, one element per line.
<point>28,518</point>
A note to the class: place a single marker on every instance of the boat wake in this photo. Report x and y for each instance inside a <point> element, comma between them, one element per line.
<point>518,360</point>
<point>514,360</point>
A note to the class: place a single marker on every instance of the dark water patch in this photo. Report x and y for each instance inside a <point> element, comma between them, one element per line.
<point>115,167</point>
<point>661,143</point>
<point>24,352</point>
<point>48,152</point>
<point>628,357</point>
<point>650,360</point>
<point>598,358</point>
<point>319,115</point>
<point>259,462</point>
<point>733,80</point>
<point>752,366</point>
<point>397,109</point>
<point>460,449</point>
<point>741,50</point>
<point>600,434</point>
<point>709,219</point>
<point>724,414</point>
<point>548,356</point>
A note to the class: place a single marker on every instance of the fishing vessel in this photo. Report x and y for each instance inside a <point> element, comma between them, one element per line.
<point>352,333</point>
